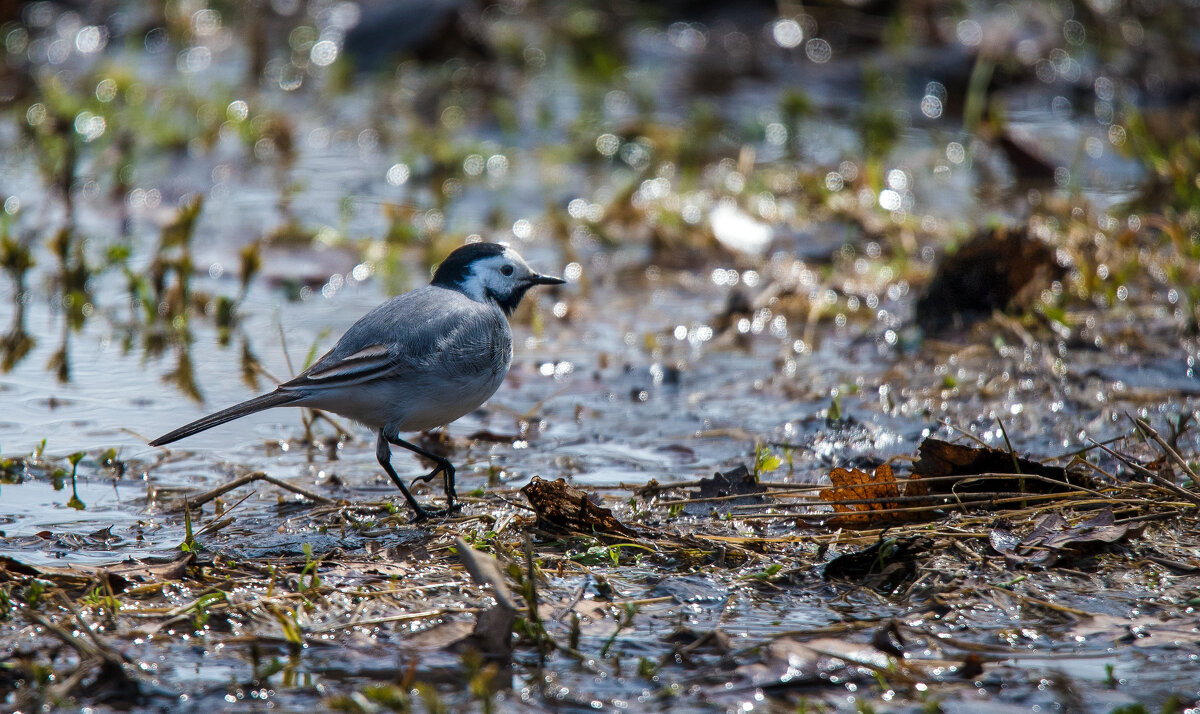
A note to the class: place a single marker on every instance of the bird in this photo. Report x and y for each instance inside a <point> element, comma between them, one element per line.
<point>420,360</point>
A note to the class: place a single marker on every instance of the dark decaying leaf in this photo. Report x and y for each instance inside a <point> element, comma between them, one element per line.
<point>688,643</point>
<point>564,509</point>
<point>971,667</point>
<point>884,565</point>
<point>117,578</point>
<point>1053,538</point>
<point>999,269</point>
<point>735,482</point>
<point>154,569</point>
<point>942,458</point>
<point>13,569</point>
<point>493,437</point>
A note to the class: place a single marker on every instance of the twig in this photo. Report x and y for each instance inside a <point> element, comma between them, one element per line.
<point>242,481</point>
<point>1171,453</point>
<point>389,618</point>
<point>1012,454</point>
<point>897,498</point>
<point>1084,450</point>
<point>965,433</point>
<point>215,525</point>
<point>1042,603</point>
<point>323,416</point>
<point>1153,475</point>
<point>960,505</point>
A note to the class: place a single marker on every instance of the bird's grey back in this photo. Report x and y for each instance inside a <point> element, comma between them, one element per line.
<point>429,330</point>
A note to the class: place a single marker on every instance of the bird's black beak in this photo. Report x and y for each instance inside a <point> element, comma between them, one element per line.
<point>544,280</point>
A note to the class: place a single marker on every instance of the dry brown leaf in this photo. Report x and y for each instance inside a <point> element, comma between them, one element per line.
<point>880,487</point>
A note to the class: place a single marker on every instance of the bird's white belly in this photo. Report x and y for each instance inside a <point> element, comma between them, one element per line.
<point>412,404</point>
<point>445,404</point>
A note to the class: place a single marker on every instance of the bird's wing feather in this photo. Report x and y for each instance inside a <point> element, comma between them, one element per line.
<point>367,360</point>
<point>388,341</point>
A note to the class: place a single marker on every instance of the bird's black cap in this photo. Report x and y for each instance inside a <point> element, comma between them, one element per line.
<point>457,266</point>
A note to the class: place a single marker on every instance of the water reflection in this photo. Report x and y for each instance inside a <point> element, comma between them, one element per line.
<point>16,259</point>
<point>161,296</point>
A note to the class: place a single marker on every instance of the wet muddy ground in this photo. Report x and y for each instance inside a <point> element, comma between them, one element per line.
<point>809,242</point>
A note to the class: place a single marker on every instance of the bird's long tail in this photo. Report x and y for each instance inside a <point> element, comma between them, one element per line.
<point>277,398</point>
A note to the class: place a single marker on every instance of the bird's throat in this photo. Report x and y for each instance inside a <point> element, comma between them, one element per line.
<point>508,303</point>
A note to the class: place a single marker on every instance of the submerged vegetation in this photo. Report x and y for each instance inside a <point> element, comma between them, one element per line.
<point>819,240</point>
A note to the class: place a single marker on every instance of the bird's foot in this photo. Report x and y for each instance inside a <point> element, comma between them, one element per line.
<point>424,513</point>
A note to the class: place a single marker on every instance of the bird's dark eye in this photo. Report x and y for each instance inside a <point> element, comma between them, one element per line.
<point>506,270</point>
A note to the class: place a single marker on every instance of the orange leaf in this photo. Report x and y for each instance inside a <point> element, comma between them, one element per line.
<point>879,488</point>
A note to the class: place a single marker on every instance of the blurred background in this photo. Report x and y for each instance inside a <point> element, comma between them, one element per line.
<point>820,228</point>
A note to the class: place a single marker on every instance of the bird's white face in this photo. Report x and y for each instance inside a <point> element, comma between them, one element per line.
<point>499,276</point>
<point>489,272</point>
<point>503,279</point>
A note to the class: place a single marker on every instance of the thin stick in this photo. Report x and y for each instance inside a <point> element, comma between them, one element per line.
<point>1012,454</point>
<point>1041,603</point>
<point>951,505</point>
<point>1153,475</point>
<point>323,416</point>
<point>1083,450</point>
<point>242,481</point>
<point>390,618</point>
<point>287,358</point>
<point>965,433</point>
<point>1167,449</point>
<point>931,479</point>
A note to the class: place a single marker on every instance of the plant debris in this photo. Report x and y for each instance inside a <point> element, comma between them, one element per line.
<point>562,508</point>
<point>978,467</point>
<point>1053,538</point>
<point>715,493</point>
<point>1001,269</point>
<point>868,499</point>
<point>884,565</point>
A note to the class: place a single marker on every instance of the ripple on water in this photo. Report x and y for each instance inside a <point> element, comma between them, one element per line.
<point>34,508</point>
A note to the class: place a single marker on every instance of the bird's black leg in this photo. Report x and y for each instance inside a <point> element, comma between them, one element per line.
<point>443,466</point>
<point>384,454</point>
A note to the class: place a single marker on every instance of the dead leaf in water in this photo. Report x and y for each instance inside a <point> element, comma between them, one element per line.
<point>942,458</point>
<point>1145,631</point>
<point>971,667</point>
<point>823,662</point>
<point>735,482</point>
<point>1053,538</point>
<point>117,578</point>
<point>889,640</point>
<point>884,565</point>
<point>880,487</point>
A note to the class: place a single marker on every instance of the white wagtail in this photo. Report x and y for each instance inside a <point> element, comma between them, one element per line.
<point>419,360</point>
